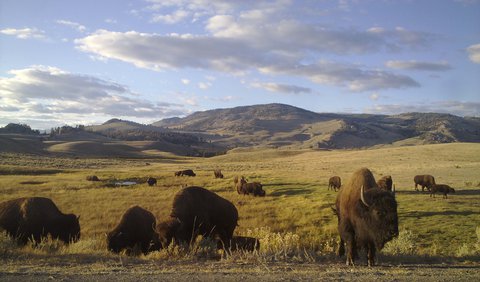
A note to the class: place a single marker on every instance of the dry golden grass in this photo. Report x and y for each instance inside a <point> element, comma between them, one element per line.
<point>296,213</point>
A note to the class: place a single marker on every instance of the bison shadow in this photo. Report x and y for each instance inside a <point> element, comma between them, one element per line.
<point>433,213</point>
<point>472,192</point>
<point>290,191</point>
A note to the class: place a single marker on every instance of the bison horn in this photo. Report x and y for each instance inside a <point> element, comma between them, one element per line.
<point>363,198</point>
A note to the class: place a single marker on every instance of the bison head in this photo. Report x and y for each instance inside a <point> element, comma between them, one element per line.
<point>117,241</point>
<point>67,229</point>
<point>167,231</point>
<point>379,210</point>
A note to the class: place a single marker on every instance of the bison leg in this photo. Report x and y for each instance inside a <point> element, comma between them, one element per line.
<point>371,255</point>
<point>341,248</point>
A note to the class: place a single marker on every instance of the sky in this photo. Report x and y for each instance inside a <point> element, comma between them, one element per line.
<point>84,62</point>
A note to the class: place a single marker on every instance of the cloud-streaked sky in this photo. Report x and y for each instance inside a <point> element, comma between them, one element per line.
<point>71,62</point>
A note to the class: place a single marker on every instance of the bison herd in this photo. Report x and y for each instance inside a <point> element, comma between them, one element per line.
<point>366,212</point>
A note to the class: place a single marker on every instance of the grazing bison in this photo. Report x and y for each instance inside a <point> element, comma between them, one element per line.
<point>186,172</point>
<point>424,181</point>
<point>245,188</point>
<point>385,183</point>
<point>136,228</point>
<point>367,216</point>
<point>92,178</point>
<point>442,189</point>
<point>151,181</point>
<point>198,211</point>
<point>35,218</point>
<point>218,173</point>
<point>241,243</point>
<point>334,183</point>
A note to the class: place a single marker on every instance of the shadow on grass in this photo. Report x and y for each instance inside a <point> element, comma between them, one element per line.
<point>434,213</point>
<point>471,192</point>
<point>290,191</point>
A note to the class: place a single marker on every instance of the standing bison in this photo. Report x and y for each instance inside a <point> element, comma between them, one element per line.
<point>245,188</point>
<point>151,181</point>
<point>186,172</point>
<point>198,211</point>
<point>35,218</point>
<point>385,183</point>
<point>136,229</point>
<point>442,189</point>
<point>218,173</point>
<point>367,216</point>
<point>424,181</point>
<point>334,183</point>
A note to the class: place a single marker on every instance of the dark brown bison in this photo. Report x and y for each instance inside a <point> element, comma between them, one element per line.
<point>442,189</point>
<point>218,173</point>
<point>334,183</point>
<point>136,229</point>
<point>92,178</point>
<point>254,188</point>
<point>35,218</point>
<point>198,211</point>
<point>385,183</point>
<point>186,172</point>
<point>241,243</point>
<point>367,216</point>
<point>424,181</point>
<point>151,181</point>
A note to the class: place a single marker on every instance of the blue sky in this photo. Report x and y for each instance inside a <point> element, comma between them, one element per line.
<point>83,62</point>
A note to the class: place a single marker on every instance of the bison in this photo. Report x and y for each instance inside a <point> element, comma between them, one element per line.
<point>385,183</point>
<point>254,188</point>
<point>248,244</point>
<point>136,229</point>
<point>218,173</point>
<point>186,172</point>
<point>198,211</point>
<point>92,178</point>
<point>334,183</point>
<point>367,216</point>
<point>35,218</point>
<point>151,181</point>
<point>424,181</point>
<point>441,188</point>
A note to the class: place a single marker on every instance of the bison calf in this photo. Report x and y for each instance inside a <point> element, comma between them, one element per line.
<point>334,183</point>
<point>136,229</point>
<point>35,218</point>
<point>441,188</point>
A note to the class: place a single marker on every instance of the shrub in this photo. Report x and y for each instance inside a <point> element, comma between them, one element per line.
<point>404,244</point>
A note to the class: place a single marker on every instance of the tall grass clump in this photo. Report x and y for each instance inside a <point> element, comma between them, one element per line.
<point>404,244</point>
<point>470,249</point>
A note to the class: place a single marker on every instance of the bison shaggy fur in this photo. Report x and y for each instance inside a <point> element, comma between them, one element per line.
<point>425,180</point>
<point>35,218</point>
<point>442,189</point>
<point>92,178</point>
<point>367,216</point>
<point>385,183</point>
<point>198,211</point>
<point>186,172</point>
<point>218,173</point>
<point>334,183</point>
<point>135,229</point>
<point>254,188</point>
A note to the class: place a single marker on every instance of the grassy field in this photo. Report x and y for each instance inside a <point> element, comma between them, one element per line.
<point>294,221</point>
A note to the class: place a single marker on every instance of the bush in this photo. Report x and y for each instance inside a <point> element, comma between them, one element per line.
<point>404,244</point>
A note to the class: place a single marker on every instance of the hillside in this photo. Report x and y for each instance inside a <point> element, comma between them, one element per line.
<point>284,125</point>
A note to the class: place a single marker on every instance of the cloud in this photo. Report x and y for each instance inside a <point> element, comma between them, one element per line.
<point>74,25</point>
<point>173,18</point>
<point>238,55</point>
<point>49,90</point>
<point>282,88</point>
<point>421,66</point>
<point>474,53</point>
<point>24,33</point>
<point>185,81</point>
<point>452,107</point>
<point>204,85</point>
<point>374,97</point>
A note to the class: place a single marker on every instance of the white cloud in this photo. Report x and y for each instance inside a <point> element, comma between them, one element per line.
<point>282,88</point>
<point>173,18</point>
<point>422,66</point>
<point>185,81</point>
<point>452,107</point>
<point>49,90</point>
<point>374,96</point>
<point>24,33</point>
<point>474,53</point>
<point>204,85</point>
<point>74,25</point>
<point>271,54</point>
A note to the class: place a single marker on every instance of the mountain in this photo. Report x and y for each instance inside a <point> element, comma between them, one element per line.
<point>285,125</point>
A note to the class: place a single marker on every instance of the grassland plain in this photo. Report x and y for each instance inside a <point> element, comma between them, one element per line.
<point>440,238</point>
